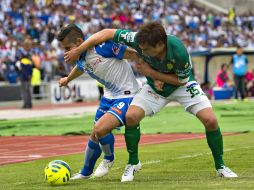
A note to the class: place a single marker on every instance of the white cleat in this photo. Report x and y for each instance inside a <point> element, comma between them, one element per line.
<point>103,168</point>
<point>226,172</point>
<point>79,176</point>
<point>129,172</point>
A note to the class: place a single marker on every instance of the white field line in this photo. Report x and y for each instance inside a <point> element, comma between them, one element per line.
<point>21,156</point>
<point>187,156</point>
<point>208,153</point>
<point>143,163</point>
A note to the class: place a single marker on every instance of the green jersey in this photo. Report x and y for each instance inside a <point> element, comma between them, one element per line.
<point>177,59</point>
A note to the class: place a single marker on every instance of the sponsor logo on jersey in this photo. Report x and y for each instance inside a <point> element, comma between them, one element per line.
<point>117,110</point>
<point>131,36</point>
<point>116,49</point>
<point>153,94</point>
<point>101,110</point>
<point>127,92</point>
<point>124,35</point>
<point>88,68</point>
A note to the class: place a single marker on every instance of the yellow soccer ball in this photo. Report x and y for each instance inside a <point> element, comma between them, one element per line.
<point>57,172</point>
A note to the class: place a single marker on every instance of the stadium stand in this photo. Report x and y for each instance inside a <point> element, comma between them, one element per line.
<point>38,21</point>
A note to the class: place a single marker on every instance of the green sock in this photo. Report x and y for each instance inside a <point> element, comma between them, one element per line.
<point>215,142</point>
<point>132,136</point>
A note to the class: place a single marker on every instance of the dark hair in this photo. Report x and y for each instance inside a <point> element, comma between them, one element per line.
<point>72,32</point>
<point>223,65</point>
<point>151,33</point>
<point>238,47</point>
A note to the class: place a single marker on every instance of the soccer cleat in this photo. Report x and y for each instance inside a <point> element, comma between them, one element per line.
<point>226,172</point>
<point>129,172</point>
<point>79,176</point>
<point>103,168</point>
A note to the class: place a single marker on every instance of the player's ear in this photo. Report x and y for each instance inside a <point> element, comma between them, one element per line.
<point>79,41</point>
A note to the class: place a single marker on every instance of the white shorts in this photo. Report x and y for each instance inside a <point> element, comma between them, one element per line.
<point>190,96</point>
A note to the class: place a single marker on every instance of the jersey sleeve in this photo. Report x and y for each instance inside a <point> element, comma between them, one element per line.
<point>126,37</point>
<point>183,67</point>
<point>111,49</point>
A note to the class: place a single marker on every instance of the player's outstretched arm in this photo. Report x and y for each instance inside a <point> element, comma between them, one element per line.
<point>75,73</point>
<point>97,38</point>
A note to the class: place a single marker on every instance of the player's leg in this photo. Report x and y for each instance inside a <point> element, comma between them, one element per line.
<point>93,149</point>
<point>145,103</point>
<point>196,102</point>
<point>102,130</point>
<point>92,153</point>
<point>215,141</point>
<point>114,117</point>
<point>132,132</point>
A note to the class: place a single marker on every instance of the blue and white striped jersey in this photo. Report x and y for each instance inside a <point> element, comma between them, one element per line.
<point>104,63</point>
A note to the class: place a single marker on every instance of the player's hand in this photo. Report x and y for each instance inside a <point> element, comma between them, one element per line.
<point>63,81</point>
<point>143,68</point>
<point>158,85</point>
<point>71,56</point>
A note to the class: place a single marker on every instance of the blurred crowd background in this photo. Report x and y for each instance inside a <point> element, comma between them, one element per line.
<point>29,28</point>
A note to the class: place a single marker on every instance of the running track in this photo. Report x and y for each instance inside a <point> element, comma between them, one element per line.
<point>27,148</point>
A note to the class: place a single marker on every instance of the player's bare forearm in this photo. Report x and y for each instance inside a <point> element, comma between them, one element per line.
<point>130,54</point>
<point>75,73</point>
<point>148,71</point>
<point>166,78</point>
<point>97,38</point>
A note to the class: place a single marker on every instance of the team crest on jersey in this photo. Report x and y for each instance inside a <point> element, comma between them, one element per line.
<point>116,49</point>
<point>170,66</point>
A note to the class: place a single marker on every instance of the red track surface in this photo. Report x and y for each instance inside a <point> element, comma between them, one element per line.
<point>26,148</point>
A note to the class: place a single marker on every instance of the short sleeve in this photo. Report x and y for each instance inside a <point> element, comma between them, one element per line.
<point>110,49</point>
<point>126,37</point>
<point>184,68</point>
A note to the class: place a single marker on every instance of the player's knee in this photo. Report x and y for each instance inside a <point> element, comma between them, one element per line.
<point>98,132</point>
<point>211,123</point>
<point>131,119</point>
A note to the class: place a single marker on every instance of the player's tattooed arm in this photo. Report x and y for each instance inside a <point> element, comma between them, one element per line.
<point>97,38</point>
<point>75,73</point>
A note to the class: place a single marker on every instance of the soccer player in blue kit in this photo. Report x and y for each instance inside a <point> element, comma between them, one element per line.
<point>103,63</point>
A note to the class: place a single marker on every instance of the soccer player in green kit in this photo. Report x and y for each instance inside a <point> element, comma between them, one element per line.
<point>166,63</point>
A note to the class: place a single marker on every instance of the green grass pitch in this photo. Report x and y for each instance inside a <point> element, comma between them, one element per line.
<point>177,165</point>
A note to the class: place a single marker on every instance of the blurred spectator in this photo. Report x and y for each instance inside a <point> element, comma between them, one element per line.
<point>250,83</point>
<point>25,68</point>
<point>36,82</point>
<point>239,64</point>
<point>231,15</point>
<point>222,79</point>
<point>39,21</point>
<point>11,74</point>
<point>206,87</point>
